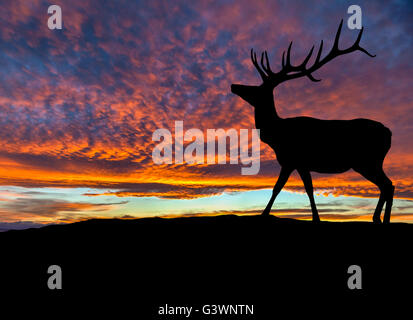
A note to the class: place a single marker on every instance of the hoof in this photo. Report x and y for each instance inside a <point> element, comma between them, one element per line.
<point>265,213</point>
<point>377,221</point>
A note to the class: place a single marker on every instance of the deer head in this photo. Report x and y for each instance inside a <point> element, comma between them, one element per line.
<point>255,95</point>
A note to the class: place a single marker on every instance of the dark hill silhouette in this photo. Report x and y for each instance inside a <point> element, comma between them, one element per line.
<point>225,259</point>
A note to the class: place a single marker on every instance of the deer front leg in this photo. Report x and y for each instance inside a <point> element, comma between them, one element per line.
<point>282,179</point>
<point>308,185</point>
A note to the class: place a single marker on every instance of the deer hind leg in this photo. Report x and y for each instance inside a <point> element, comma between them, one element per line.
<point>379,178</point>
<point>282,180</point>
<point>308,185</point>
<point>389,202</point>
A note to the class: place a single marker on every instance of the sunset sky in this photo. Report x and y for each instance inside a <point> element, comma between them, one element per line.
<point>78,106</point>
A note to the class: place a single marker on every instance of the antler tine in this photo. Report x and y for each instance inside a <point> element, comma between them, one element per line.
<point>254,61</point>
<point>266,67</point>
<point>357,44</point>
<point>262,61</point>
<point>335,45</point>
<point>317,59</point>
<point>289,67</point>
<point>310,76</point>
<point>288,55</point>
<point>252,55</point>
<point>304,63</point>
<point>268,62</point>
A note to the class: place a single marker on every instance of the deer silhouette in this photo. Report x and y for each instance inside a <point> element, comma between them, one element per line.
<point>307,144</point>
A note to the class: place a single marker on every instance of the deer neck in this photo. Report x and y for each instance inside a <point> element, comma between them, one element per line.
<point>266,115</point>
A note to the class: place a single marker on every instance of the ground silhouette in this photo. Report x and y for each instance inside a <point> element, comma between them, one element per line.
<point>266,261</point>
<point>310,145</point>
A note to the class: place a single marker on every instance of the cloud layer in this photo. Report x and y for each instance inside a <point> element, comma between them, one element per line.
<point>78,106</point>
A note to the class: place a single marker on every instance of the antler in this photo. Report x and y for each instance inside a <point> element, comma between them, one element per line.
<point>289,71</point>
